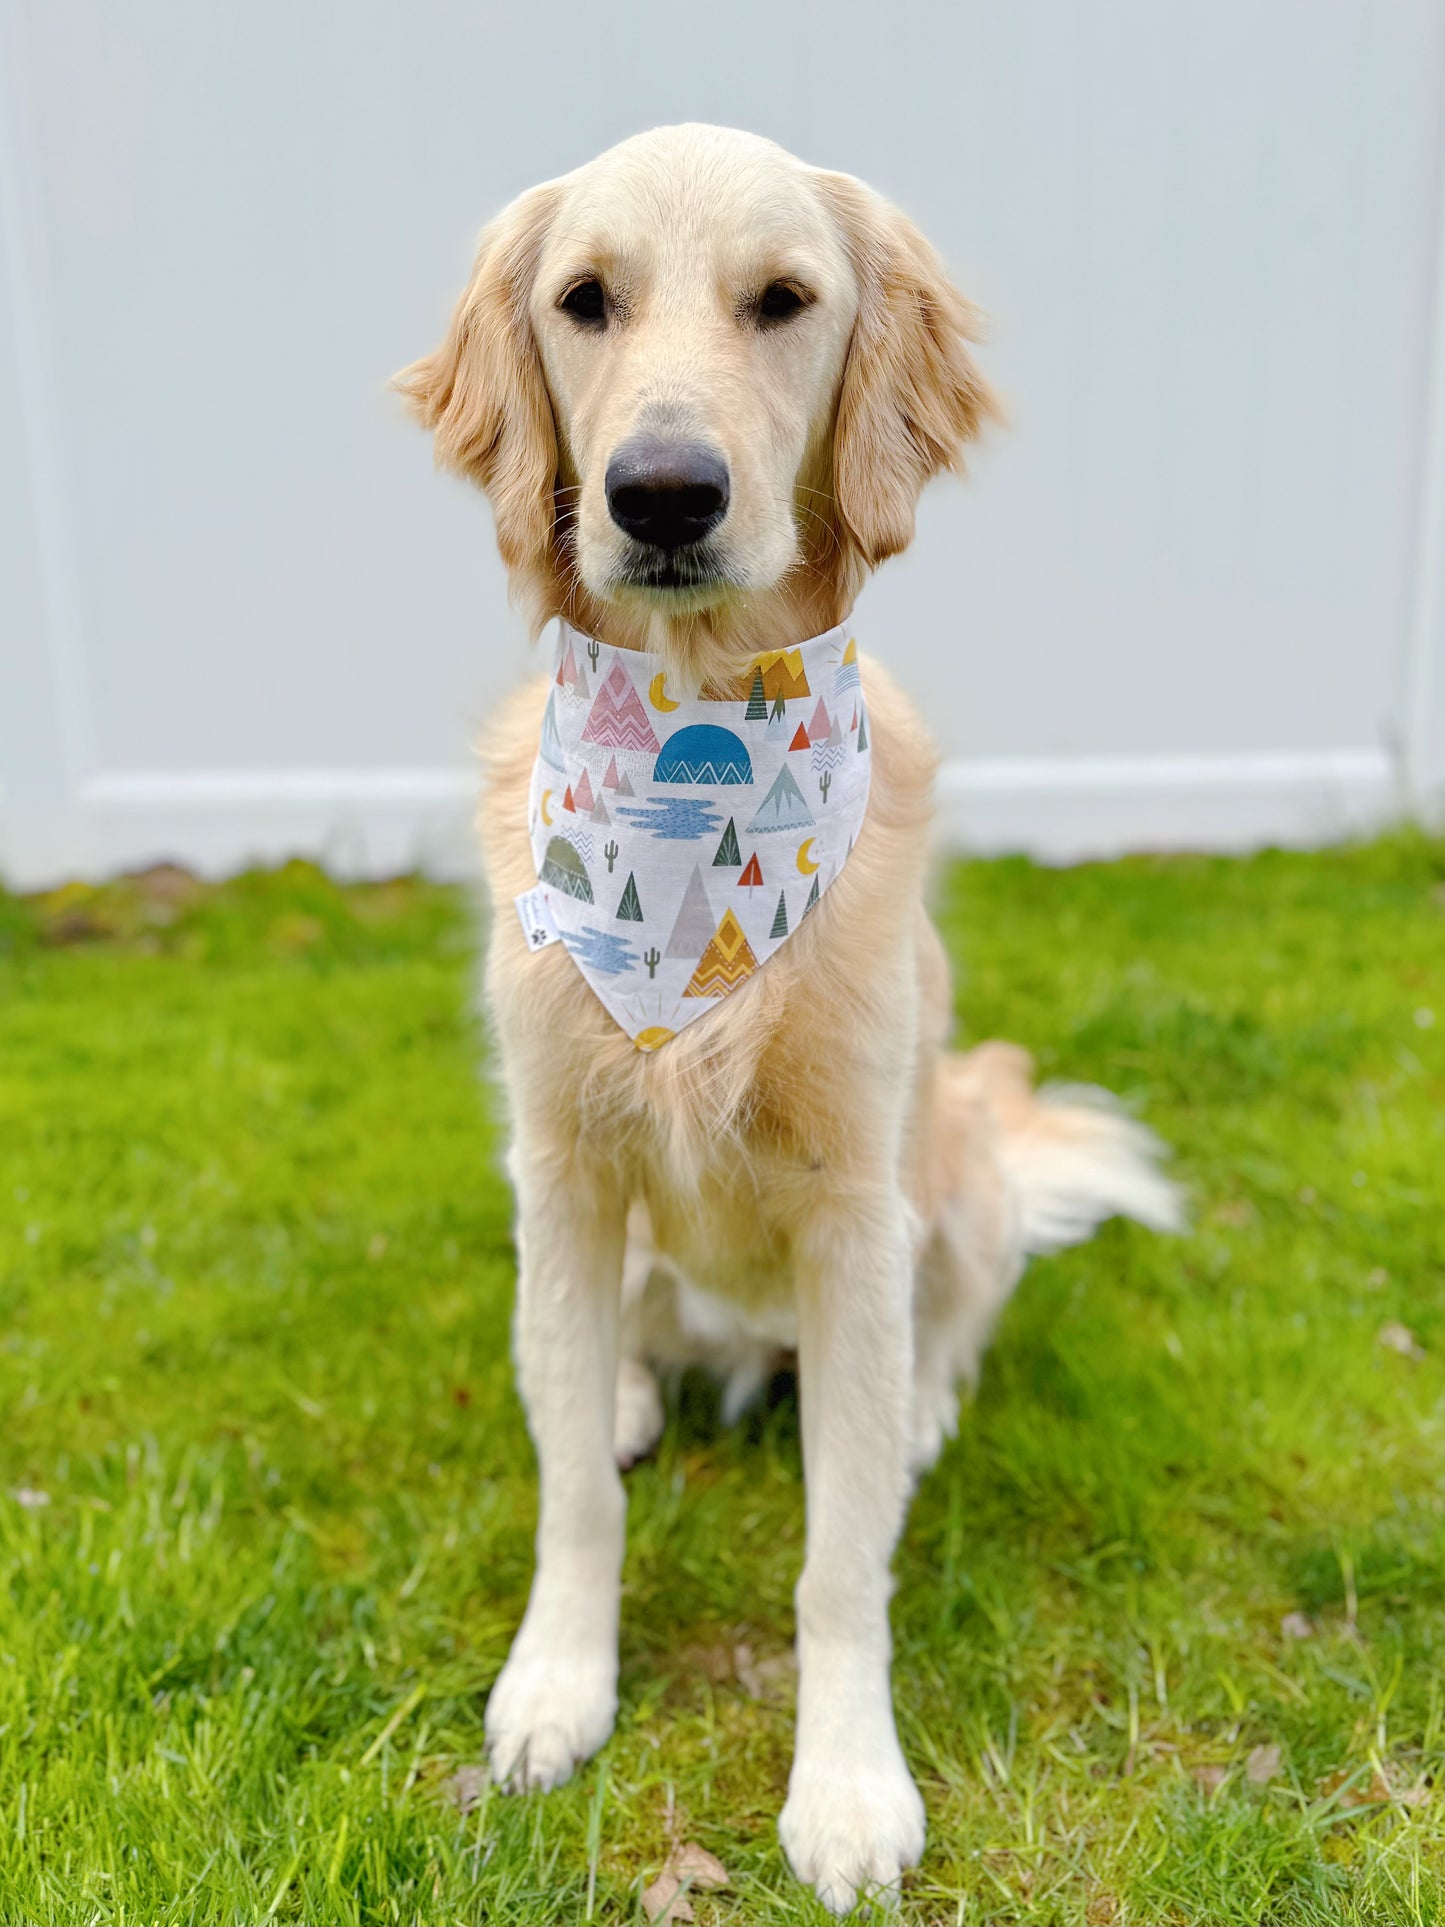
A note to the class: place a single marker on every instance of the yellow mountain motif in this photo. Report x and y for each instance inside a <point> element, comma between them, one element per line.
<point>727,961</point>
<point>783,675</point>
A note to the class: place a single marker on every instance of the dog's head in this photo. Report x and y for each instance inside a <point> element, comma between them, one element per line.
<point>696,371</point>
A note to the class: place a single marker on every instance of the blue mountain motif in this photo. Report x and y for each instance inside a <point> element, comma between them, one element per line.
<point>552,751</point>
<point>600,950</point>
<point>782,808</point>
<point>703,753</point>
<point>676,819</point>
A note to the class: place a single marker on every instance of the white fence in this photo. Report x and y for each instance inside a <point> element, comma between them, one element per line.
<point>1194,597</point>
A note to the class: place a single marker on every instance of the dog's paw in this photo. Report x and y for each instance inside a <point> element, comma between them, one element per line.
<point>849,1828</point>
<point>549,1711</point>
<point>638,1424</point>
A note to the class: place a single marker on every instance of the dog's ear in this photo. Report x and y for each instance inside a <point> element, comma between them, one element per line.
<point>911,396</point>
<point>483,395</point>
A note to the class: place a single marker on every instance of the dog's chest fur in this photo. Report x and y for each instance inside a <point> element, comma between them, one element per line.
<point>748,1122</point>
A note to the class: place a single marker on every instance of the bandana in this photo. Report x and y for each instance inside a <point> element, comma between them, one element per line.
<point>681,838</point>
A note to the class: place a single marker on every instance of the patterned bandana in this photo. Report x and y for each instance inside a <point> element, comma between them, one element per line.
<point>678,839</point>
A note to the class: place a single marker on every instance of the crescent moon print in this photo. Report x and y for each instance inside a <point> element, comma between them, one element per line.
<point>806,865</point>
<point>657,694</point>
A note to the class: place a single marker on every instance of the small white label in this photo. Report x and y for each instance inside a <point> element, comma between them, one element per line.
<point>536,915</point>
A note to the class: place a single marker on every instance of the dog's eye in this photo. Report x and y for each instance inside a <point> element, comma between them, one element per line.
<point>780,301</point>
<point>585,301</point>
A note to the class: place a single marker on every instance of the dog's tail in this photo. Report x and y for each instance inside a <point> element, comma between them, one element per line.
<point>1070,1156</point>
<point>1013,1172</point>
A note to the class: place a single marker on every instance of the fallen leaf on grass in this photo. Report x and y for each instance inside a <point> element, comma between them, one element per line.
<point>714,1662</point>
<point>1374,1792</point>
<point>1102,1910</point>
<point>466,1787</point>
<point>1263,1765</point>
<point>1297,1626</point>
<point>763,1679</point>
<point>29,1499</point>
<point>663,1901</point>
<point>1209,1779</point>
<point>689,1868</point>
<point>695,1863</point>
<point>1399,1338</point>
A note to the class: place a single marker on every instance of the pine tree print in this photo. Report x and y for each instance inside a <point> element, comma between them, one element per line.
<point>753,875</point>
<point>630,909</point>
<point>729,856</point>
<point>812,902</point>
<point>780,918</point>
<point>863,732</point>
<point>757,710</point>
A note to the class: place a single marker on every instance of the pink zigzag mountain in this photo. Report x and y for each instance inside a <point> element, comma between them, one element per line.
<point>617,719</point>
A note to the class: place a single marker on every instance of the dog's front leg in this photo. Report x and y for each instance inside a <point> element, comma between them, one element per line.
<point>853,1818</point>
<point>556,1698</point>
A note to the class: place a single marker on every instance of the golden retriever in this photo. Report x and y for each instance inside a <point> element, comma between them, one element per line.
<point>806,1169</point>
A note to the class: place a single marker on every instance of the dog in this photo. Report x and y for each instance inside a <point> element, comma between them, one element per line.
<point>703,385</point>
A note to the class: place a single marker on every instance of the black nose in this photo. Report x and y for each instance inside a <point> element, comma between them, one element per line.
<point>666,493</point>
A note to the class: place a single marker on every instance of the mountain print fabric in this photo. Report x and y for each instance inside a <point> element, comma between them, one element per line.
<point>681,837</point>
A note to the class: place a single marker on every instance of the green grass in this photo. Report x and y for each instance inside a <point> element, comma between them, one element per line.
<point>255,1274</point>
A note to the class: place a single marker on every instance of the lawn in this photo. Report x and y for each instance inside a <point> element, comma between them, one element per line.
<point>1171,1612</point>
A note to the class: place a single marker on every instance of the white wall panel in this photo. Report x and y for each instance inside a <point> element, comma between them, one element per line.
<point>1184,600</point>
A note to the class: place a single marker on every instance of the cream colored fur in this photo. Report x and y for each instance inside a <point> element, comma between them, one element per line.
<point>807,1170</point>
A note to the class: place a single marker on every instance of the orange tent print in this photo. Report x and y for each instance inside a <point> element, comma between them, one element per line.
<point>727,961</point>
